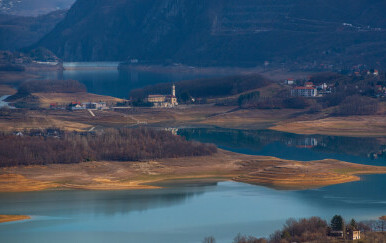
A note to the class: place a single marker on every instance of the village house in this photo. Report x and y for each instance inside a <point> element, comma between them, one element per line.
<point>95,106</point>
<point>74,106</point>
<point>354,235</point>
<point>308,90</point>
<point>164,101</point>
<point>289,81</point>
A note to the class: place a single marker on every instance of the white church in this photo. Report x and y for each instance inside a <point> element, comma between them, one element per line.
<point>164,101</point>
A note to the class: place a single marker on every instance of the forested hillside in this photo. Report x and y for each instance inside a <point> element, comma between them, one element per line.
<point>223,32</point>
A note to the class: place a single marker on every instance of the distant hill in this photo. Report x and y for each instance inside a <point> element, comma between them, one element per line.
<point>223,32</point>
<point>18,31</point>
<point>33,7</point>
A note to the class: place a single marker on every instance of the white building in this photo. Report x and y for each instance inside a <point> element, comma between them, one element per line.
<point>309,90</point>
<point>164,101</point>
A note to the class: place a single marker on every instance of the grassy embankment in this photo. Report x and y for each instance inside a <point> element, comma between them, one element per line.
<point>224,165</point>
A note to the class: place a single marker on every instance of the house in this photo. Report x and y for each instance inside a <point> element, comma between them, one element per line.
<point>337,233</point>
<point>308,90</point>
<point>75,106</point>
<point>309,84</point>
<point>164,101</point>
<point>289,81</point>
<point>89,105</point>
<point>354,235</point>
<point>95,106</point>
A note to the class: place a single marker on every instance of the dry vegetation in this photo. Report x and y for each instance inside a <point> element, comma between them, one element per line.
<point>340,126</point>
<point>56,147</point>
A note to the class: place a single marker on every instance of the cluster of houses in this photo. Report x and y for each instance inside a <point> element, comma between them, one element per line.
<point>157,100</point>
<point>309,89</point>
<point>351,234</point>
<point>73,106</point>
<point>163,101</point>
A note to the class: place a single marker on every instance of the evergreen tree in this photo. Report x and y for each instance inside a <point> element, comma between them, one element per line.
<point>337,223</point>
<point>353,225</point>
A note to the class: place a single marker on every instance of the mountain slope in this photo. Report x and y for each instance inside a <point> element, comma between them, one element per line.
<point>18,31</point>
<point>223,32</point>
<point>33,7</point>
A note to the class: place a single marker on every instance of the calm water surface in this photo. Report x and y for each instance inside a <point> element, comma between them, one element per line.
<point>105,79</point>
<point>192,212</point>
<point>283,145</point>
<point>183,214</point>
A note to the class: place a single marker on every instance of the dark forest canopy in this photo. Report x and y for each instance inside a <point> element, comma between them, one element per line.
<point>57,147</point>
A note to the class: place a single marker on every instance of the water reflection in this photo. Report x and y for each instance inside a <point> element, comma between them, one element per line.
<point>106,79</point>
<point>293,146</point>
<point>94,202</point>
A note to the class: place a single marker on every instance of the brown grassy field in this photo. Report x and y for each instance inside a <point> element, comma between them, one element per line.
<point>46,99</point>
<point>224,165</point>
<point>7,90</point>
<point>198,115</point>
<point>341,126</point>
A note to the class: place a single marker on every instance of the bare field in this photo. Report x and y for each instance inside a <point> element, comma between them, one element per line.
<point>340,126</point>
<point>224,165</point>
<point>46,99</point>
<point>7,90</point>
<point>202,115</point>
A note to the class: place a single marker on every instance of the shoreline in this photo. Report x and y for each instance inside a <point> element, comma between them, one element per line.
<point>223,166</point>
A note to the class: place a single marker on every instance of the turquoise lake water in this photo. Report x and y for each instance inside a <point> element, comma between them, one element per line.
<point>191,212</point>
<point>183,214</point>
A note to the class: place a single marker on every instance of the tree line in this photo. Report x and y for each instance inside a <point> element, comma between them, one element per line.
<point>125,144</point>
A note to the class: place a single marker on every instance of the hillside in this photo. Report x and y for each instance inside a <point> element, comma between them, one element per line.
<point>33,7</point>
<point>18,31</point>
<point>223,32</point>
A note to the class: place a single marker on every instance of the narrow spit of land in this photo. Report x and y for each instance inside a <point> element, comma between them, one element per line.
<point>11,218</point>
<point>222,166</point>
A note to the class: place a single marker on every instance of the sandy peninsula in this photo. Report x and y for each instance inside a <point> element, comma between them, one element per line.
<point>224,165</point>
<point>11,218</point>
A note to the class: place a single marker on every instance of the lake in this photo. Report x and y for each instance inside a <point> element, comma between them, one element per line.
<point>181,214</point>
<point>105,79</point>
<point>370,150</point>
<point>188,213</point>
